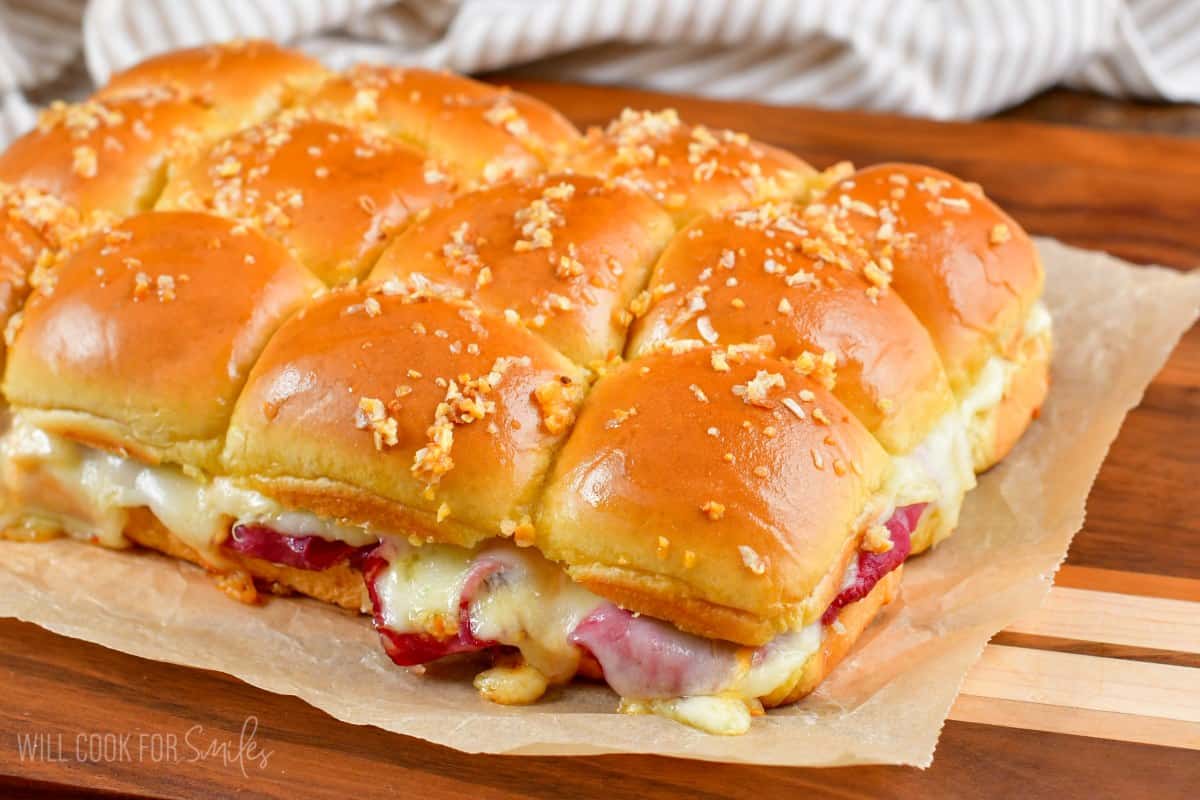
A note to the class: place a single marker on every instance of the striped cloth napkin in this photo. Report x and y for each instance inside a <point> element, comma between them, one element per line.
<point>947,59</point>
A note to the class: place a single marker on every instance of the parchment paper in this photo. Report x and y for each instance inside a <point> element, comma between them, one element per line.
<point>1114,326</point>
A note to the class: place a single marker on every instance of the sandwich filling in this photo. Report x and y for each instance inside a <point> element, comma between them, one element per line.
<point>433,601</point>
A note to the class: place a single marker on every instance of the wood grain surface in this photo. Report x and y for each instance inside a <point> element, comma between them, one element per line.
<point>1047,712</point>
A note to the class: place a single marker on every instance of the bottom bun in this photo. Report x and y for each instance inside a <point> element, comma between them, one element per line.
<point>340,585</point>
<point>837,641</point>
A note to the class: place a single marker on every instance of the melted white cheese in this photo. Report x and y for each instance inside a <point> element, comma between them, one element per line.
<point>729,712</point>
<point>106,485</point>
<point>939,470</point>
<point>978,404</point>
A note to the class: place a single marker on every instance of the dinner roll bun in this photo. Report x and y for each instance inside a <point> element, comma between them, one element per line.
<point>781,480</point>
<point>488,133</point>
<point>140,339</point>
<point>419,417</point>
<point>763,272</point>
<point>243,80</point>
<point>965,268</point>
<point>689,169</point>
<point>331,194</point>
<point>110,155</point>
<point>561,254</point>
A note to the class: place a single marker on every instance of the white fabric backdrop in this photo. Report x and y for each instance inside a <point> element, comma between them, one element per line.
<point>935,58</point>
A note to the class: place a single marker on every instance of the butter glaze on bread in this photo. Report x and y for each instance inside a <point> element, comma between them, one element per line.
<point>110,154</point>
<point>741,276</point>
<point>967,270</point>
<point>333,195</point>
<point>242,81</point>
<point>964,267</point>
<point>488,133</point>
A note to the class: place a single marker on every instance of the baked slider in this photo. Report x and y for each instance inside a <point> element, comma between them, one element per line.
<point>332,194</point>
<point>424,424</point>
<point>764,275</point>
<point>563,255</point>
<point>243,81</point>
<point>742,584</point>
<point>123,372</point>
<point>971,275</point>
<point>488,133</point>
<point>689,169</point>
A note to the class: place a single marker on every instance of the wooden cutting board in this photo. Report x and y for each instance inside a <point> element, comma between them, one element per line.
<point>1097,695</point>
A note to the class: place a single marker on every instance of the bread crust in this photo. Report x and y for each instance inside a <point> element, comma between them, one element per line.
<point>967,270</point>
<point>110,155</point>
<point>331,194</point>
<point>243,81</point>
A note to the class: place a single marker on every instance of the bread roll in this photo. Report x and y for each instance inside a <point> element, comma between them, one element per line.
<point>689,169</point>
<point>969,273</point>
<point>110,154</point>
<point>242,81</point>
<point>741,276</point>
<point>490,134</point>
<point>563,255</point>
<point>333,195</point>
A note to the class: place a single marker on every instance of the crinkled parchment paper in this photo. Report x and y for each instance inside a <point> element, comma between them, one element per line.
<point>1114,326</point>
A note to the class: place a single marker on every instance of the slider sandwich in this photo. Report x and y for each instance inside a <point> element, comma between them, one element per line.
<point>971,275</point>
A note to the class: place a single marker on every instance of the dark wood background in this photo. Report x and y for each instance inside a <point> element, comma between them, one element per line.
<point>1134,195</point>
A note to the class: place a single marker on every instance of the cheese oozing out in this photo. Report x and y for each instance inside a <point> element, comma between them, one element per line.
<point>978,404</point>
<point>529,603</point>
<point>41,470</point>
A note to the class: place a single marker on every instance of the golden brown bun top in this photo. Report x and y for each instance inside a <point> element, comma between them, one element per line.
<point>331,194</point>
<point>488,133</point>
<point>967,270</point>
<point>764,273</point>
<point>244,81</point>
<point>689,169</point>
<point>562,254</point>
<point>150,328</point>
<point>33,225</point>
<point>108,155</point>
<point>428,405</point>
<point>696,472</point>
